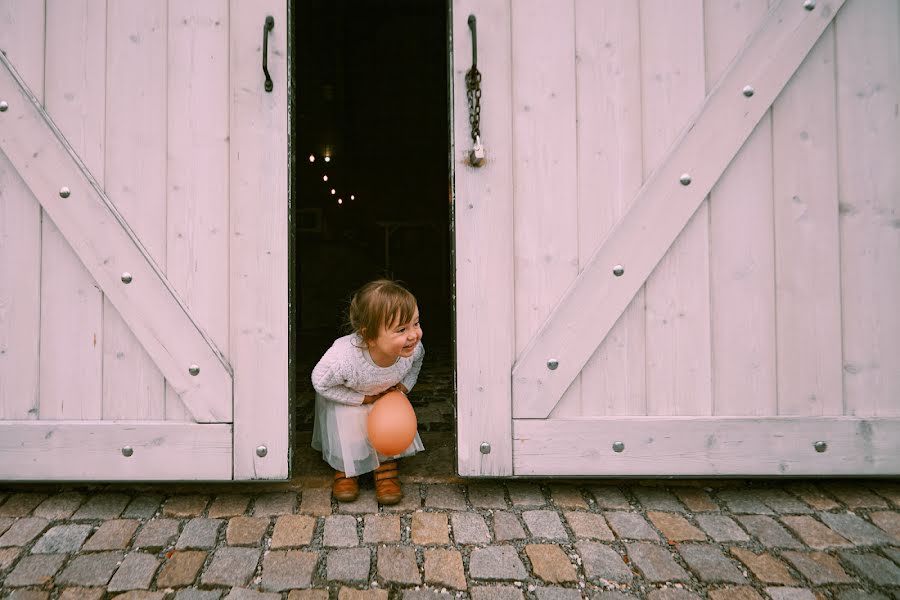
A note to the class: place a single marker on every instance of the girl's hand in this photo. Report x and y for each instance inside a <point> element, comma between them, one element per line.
<point>371,399</point>
<point>399,388</point>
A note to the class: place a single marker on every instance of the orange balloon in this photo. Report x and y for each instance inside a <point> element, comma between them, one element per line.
<point>391,424</point>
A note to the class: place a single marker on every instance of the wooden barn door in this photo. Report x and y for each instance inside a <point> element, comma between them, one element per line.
<point>143,241</point>
<point>681,255</point>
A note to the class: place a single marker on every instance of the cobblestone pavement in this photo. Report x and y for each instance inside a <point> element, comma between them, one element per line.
<point>487,540</point>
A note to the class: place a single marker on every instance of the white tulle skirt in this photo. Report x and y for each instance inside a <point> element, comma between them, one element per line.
<point>339,432</point>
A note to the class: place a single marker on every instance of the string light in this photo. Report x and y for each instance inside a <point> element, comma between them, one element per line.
<point>340,201</point>
<point>333,192</point>
<point>324,177</point>
<point>312,158</point>
<point>327,159</point>
<point>352,197</point>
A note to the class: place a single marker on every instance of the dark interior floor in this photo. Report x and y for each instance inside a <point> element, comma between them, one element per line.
<point>432,398</point>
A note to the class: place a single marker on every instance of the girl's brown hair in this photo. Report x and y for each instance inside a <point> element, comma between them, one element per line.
<point>380,303</point>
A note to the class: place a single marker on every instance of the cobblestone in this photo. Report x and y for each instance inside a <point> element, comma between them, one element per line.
<point>696,499</point>
<point>112,535</point>
<point>62,539</point>
<point>675,527</point>
<point>246,531</point>
<point>23,531</point>
<point>102,506</point>
<point>710,564</point>
<point>199,534</point>
<point>142,507</point>
<point>275,504</point>
<point>445,568</point>
<point>545,524</point>
<point>90,569</point>
<point>525,494</point>
<point>658,499</point>
<point>486,495</point>
<point>135,573</point>
<point>228,505</point>
<point>811,544</point>
<point>292,531</point>
<point>602,562</point>
<point>814,534</point>
<point>37,569</point>
<point>430,528</point>
<point>315,502</point>
<point>445,496</point>
<point>469,528</point>
<point>380,528</point>
<point>877,569</point>
<point>768,532</point>
<point>157,534</point>
<point>631,526</point>
<point>350,565</point>
<point>812,495</point>
<point>765,567</point>
<point>496,562</point>
<point>397,564</point>
<point>181,568</point>
<point>288,569</point>
<point>28,595</point>
<point>185,506</point>
<point>231,566</point>
<point>507,526</point>
<point>853,528</point>
<point>59,507</point>
<point>818,567</point>
<point>655,562</point>
<point>721,528</point>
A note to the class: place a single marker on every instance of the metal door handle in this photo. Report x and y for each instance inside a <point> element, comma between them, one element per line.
<point>267,27</point>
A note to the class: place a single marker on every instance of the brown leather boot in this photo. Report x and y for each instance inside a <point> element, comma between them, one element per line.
<point>387,486</point>
<point>344,489</point>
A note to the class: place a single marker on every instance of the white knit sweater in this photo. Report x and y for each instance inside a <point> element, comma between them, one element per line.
<point>346,372</point>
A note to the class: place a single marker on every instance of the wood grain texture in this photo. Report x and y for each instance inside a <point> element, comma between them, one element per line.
<point>22,41</point>
<point>608,105</point>
<point>591,306</point>
<point>79,451</point>
<point>867,65</point>
<point>807,256</point>
<point>107,247</point>
<point>135,178</point>
<point>483,203</point>
<point>71,301</point>
<point>258,298</point>
<point>708,446</point>
<point>677,290</point>
<point>741,253</point>
<point>196,167</point>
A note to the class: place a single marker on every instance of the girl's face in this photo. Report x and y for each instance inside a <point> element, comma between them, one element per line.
<point>395,340</point>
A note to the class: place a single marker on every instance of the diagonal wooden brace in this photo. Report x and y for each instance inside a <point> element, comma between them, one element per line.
<point>109,248</point>
<point>663,206</point>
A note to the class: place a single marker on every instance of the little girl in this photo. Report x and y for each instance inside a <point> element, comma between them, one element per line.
<point>383,353</point>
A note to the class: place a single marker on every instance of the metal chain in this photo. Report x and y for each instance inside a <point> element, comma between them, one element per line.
<point>473,95</point>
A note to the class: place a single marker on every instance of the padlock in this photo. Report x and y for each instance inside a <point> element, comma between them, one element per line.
<point>476,155</point>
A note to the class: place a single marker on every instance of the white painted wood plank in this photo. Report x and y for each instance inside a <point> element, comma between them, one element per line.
<point>484,244</point>
<point>259,269</point>
<point>741,254</point>
<point>677,291</point>
<point>545,219</point>
<point>107,246</point>
<point>133,387</point>
<point>708,446</point>
<point>197,214</point>
<point>807,256</point>
<point>76,451</point>
<point>868,87</point>
<point>71,302</point>
<point>22,41</point>
<point>663,206</point>
<point>607,55</point>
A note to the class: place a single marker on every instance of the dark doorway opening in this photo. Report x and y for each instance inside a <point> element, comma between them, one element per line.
<point>371,191</point>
